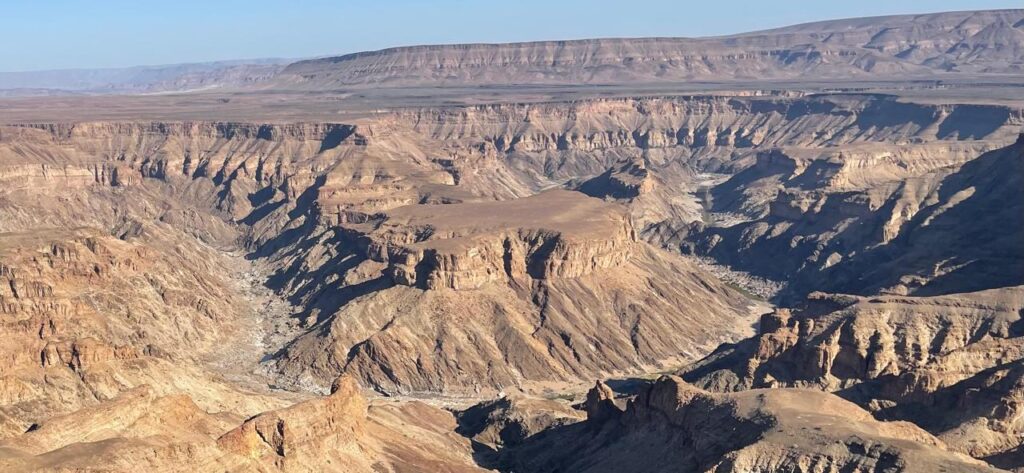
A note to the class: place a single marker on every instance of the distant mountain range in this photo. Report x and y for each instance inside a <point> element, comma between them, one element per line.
<point>142,79</point>
<point>983,42</point>
<point>918,46</point>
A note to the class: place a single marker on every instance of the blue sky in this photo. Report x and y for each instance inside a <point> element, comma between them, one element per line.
<point>56,34</point>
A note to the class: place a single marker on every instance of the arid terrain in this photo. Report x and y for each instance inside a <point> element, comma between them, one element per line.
<point>794,250</point>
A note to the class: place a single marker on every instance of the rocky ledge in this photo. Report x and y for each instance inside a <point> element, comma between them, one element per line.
<point>671,425</point>
<point>555,234</point>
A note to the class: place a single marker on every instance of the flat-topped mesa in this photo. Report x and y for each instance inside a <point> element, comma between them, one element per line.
<point>118,131</point>
<point>554,234</point>
<point>882,47</point>
<point>363,186</point>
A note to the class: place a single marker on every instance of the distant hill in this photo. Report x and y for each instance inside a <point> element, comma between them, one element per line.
<point>141,79</point>
<point>890,47</point>
<point>979,42</point>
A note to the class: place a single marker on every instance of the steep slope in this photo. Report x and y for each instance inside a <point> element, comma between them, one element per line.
<point>883,47</point>
<point>340,432</point>
<point>834,198</point>
<point>673,426</point>
<point>307,199</point>
<point>462,251</point>
<point>550,288</point>
<point>87,316</point>
<point>952,229</point>
<point>907,358</point>
<point>401,266</point>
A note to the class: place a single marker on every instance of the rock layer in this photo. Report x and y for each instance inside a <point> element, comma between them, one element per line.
<point>436,252</point>
<point>358,221</point>
<point>673,426</point>
<point>553,235</point>
<point>902,357</point>
<point>895,46</point>
<point>342,432</point>
<point>952,228</point>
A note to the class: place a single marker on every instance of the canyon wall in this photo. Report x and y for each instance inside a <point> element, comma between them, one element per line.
<point>441,208</point>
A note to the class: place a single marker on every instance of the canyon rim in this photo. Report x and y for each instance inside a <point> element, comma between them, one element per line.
<point>798,249</point>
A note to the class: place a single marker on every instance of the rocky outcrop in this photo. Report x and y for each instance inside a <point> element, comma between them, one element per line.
<point>438,252</point>
<point>349,216</point>
<point>137,413</point>
<point>835,342</point>
<point>343,212</point>
<point>903,357</point>
<point>342,432</point>
<point>280,437</point>
<point>627,181</point>
<point>87,316</point>
<point>58,286</point>
<point>510,420</point>
<point>950,229</point>
<point>979,416</point>
<point>701,124</point>
<point>600,403</point>
<point>527,147</point>
<point>514,333</point>
<point>673,426</point>
<point>556,234</point>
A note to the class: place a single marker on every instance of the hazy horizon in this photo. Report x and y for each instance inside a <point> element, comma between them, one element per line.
<point>121,34</point>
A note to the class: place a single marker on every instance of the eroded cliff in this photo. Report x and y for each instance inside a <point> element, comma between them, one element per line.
<point>673,426</point>
<point>462,251</point>
<point>883,47</point>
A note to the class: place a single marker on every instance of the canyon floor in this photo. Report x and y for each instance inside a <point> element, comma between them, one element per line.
<point>601,255</point>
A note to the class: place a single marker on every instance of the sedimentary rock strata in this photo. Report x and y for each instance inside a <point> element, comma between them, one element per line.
<point>422,258</point>
<point>350,216</point>
<point>926,234</point>
<point>552,235</point>
<point>87,315</point>
<point>517,330</point>
<point>184,294</point>
<point>510,420</point>
<point>340,432</point>
<point>626,181</point>
<point>902,357</point>
<point>673,426</point>
<point>897,46</point>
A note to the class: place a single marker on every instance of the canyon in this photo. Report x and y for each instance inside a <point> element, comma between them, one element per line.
<point>792,250</point>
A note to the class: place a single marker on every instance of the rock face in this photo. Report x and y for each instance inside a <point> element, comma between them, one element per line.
<point>379,240</point>
<point>627,181</point>
<point>173,294</point>
<point>381,231</point>
<point>88,316</point>
<point>52,283</point>
<point>341,432</point>
<point>949,229</point>
<point>902,357</point>
<point>895,46</point>
<point>281,438</point>
<point>852,339</point>
<point>518,330</point>
<point>508,421</point>
<point>673,426</point>
<point>552,235</point>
